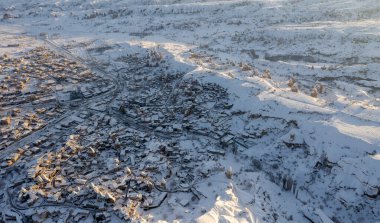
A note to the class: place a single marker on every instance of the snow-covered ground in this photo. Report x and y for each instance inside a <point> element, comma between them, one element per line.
<point>322,168</point>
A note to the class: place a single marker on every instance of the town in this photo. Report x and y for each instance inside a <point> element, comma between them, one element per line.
<point>199,111</point>
<point>102,151</point>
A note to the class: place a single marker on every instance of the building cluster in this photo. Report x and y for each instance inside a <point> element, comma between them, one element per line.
<point>36,75</point>
<point>118,169</point>
<point>123,155</point>
<point>16,124</point>
<point>35,86</point>
<point>170,103</point>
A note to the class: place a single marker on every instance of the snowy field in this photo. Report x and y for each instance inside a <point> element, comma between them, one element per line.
<point>312,63</point>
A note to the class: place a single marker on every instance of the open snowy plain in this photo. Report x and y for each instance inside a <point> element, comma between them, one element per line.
<point>302,76</point>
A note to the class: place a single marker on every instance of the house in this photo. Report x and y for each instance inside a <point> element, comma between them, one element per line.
<point>227,140</point>
<point>5,120</point>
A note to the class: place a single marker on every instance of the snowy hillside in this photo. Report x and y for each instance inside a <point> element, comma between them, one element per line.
<point>301,82</point>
